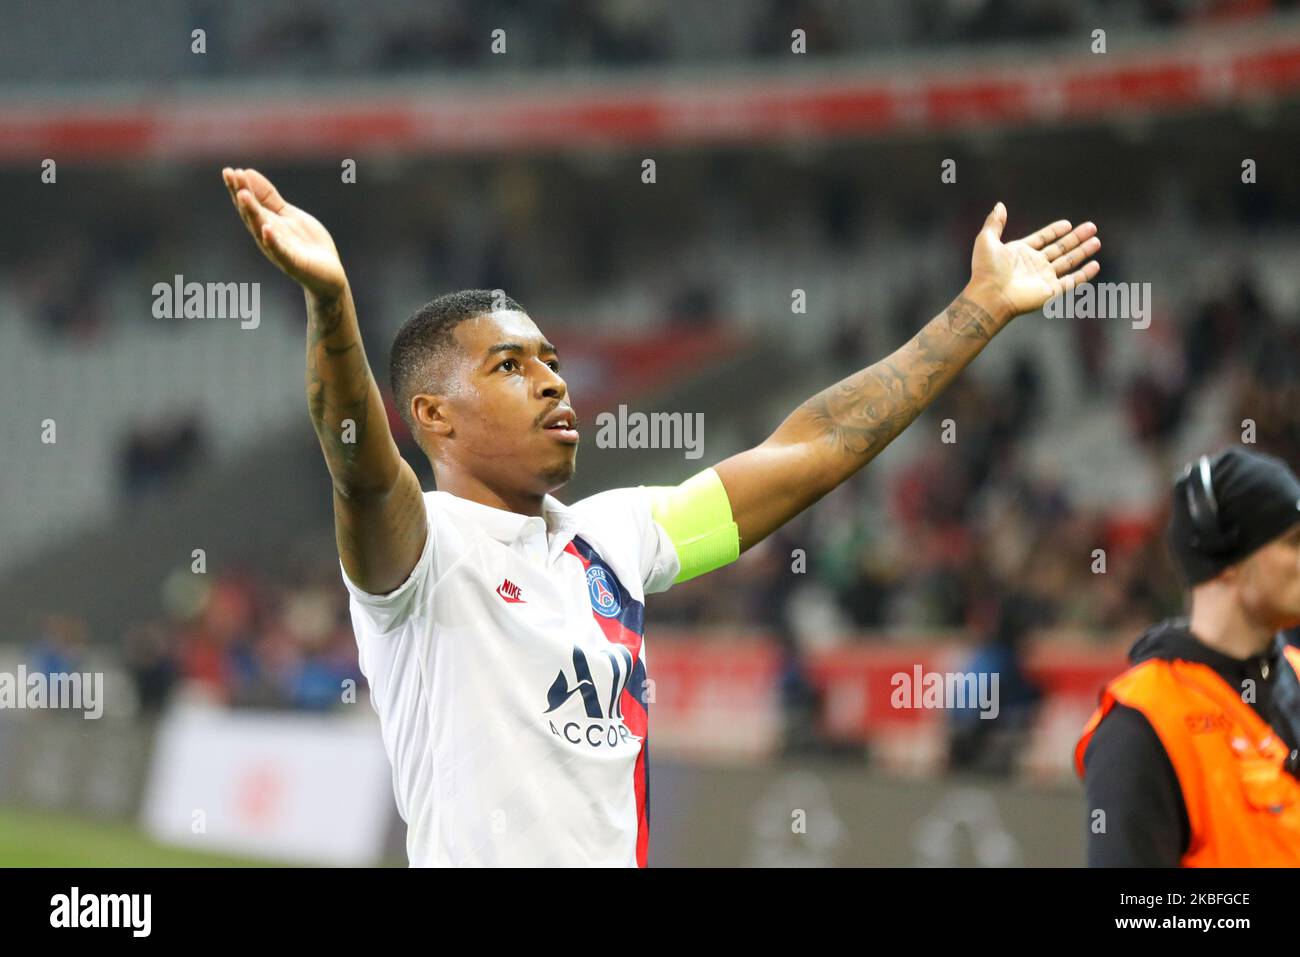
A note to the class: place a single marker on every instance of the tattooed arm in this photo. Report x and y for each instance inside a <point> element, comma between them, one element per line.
<point>841,429</point>
<point>379,518</point>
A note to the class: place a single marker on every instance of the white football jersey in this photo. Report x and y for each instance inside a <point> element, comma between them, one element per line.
<point>509,675</point>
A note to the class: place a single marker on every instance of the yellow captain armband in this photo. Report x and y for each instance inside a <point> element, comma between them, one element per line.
<point>697,517</point>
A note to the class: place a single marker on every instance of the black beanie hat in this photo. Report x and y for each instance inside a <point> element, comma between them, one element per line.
<point>1251,499</point>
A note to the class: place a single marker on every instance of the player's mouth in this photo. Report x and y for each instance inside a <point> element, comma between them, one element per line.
<point>562,423</point>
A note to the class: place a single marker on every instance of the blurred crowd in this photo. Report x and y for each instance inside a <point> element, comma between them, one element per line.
<point>619,33</point>
<point>155,453</point>
<point>332,38</point>
<point>233,639</point>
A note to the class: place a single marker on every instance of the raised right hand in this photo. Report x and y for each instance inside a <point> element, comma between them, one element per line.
<point>291,238</point>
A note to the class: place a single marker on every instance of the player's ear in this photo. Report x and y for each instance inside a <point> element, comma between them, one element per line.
<point>432,413</point>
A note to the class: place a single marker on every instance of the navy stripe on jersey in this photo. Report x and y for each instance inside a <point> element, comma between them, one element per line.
<point>631,614</point>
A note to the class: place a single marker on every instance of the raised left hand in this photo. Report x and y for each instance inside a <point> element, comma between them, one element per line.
<point>1021,275</point>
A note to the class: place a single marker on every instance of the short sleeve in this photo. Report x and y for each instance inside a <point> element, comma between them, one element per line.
<point>626,512</point>
<point>659,560</point>
<point>389,611</point>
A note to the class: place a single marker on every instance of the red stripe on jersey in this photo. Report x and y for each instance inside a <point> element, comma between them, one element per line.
<point>635,715</point>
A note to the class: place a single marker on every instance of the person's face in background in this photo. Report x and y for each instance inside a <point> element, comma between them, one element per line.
<point>1268,582</point>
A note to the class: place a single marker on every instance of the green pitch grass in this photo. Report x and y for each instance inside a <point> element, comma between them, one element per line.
<point>38,839</point>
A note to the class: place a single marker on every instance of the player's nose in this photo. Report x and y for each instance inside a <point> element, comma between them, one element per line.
<point>550,384</point>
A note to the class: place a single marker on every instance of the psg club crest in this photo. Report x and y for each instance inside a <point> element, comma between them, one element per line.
<point>604,592</point>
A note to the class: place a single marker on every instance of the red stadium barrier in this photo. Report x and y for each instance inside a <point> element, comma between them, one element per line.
<point>850,102</point>
<point>720,698</point>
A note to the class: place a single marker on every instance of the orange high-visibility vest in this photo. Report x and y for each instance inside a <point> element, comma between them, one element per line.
<point>1243,807</point>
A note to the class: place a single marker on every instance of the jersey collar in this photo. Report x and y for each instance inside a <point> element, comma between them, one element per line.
<point>509,527</point>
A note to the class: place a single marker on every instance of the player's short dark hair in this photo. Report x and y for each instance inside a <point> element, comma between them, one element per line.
<point>418,360</point>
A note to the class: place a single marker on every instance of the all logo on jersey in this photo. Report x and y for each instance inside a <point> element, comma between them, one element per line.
<point>597,705</point>
<point>602,726</point>
<point>604,591</point>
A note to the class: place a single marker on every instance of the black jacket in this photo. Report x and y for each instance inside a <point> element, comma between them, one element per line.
<point>1129,775</point>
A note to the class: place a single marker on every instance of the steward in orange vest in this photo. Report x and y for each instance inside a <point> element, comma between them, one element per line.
<point>1193,756</point>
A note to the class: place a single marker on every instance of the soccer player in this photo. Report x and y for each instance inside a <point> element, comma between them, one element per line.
<point>502,631</point>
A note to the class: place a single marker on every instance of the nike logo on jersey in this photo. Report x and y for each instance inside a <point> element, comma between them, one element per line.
<point>510,593</point>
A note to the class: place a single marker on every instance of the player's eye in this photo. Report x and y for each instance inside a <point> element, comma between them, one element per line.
<point>507,362</point>
<point>554,364</point>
